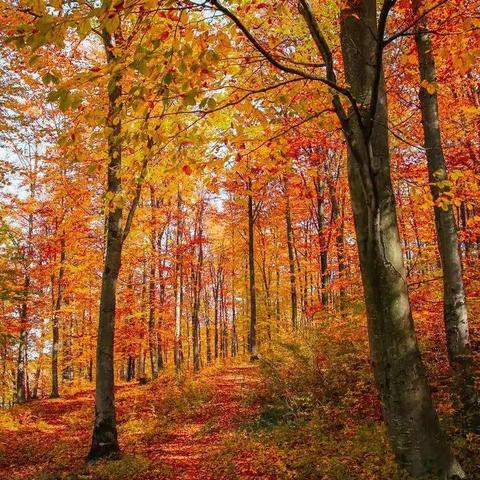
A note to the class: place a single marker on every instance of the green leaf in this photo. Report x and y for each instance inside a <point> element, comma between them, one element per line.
<point>111,24</point>
<point>84,27</point>
<point>33,61</point>
<point>167,79</point>
<point>189,99</point>
<point>140,65</point>
<point>50,78</point>
<point>211,103</point>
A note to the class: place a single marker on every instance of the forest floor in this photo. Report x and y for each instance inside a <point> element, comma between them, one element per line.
<point>285,418</point>
<point>168,429</point>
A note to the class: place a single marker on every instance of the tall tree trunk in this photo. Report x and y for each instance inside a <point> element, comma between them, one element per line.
<point>142,362</point>
<point>322,248</point>
<point>291,265</point>
<point>104,439</point>
<point>152,321</point>
<point>337,218</point>
<point>161,276</point>
<point>21,394</point>
<point>455,313</point>
<point>21,375</point>
<point>178,352</point>
<point>208,340</point>
<point>55,321</point>
<point>197,289</point>
<point>412,422</point>
<point>234,343</point>
<point>216,274</point>
<point>252,343</point>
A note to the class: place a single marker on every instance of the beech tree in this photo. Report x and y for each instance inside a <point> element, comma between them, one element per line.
<point>455,313</point>
<point>243,186</point>
<point>396,359</point>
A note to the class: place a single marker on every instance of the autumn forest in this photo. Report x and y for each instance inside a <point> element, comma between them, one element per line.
<point>239,239</point>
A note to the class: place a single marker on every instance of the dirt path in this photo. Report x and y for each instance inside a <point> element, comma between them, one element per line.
<point>163,436</point>
<point>187,453</point>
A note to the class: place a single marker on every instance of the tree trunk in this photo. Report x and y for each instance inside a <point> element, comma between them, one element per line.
<point>454,301</point>
<point>104,439</point>
<point>337,218</point>
<point>208,339</point>
<point>216,275</point>
<point>252,343</point>
<point>234,343</point>
<point>161,267</point>
<point>291,265</point>
<point>178,352</point>
<point>152,321</point>
<point>21,394</point>
<point>322,248</point>
<point>55,322</point>
<point>197,289</point>
<point>20,391</point>
<point>412,423</point>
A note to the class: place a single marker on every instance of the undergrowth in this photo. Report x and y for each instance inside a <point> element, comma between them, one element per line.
<point>319,416</point>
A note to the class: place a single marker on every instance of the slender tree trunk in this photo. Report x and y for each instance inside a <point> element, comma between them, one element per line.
<point>142,363</point>
<point>412,422</point>
<point>178,352</point>
<point>161,268</point>
<point>216,281</point>
<point>224,322</point>
<point>322,248</point>
<point>55,322</point>
<point>36,381</point>
<point>130,368</point>
<point>208,339</point>
<point>291,265</point>
<point>104,439</point>
<point>455,313</point>
<point>339,240</point>
<point>152,320</point>
<point>197,289</point>
<point>234,343</point>
<point>20,382</point>
<point>21,394</point>
<point>38,370</point>
<point>252,344</point>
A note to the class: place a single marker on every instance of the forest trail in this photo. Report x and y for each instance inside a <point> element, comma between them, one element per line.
<point>165,431</point>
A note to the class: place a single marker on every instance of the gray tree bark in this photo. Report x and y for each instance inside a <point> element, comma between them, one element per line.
<point>55,322</point>
<point>252,339</point>
<point>455,313</point>
<point>178,350</point>
<point>291,265</point>
<point>412,423</point>
<point>197,290</point>
<point>104,438</point>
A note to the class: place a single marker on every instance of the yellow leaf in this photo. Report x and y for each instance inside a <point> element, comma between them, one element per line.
<point>431,88</point>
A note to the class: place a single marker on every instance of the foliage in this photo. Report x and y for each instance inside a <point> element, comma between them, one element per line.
<point>222,159</point>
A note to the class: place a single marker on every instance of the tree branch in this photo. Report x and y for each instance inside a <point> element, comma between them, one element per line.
<point>138,192</point>
<point>326,53</point>
<point>271,58</point>
<point>404,31</point>
<point>382,25</point>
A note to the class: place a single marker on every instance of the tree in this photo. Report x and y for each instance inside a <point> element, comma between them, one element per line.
<point>455,313</point>
<point>396,360</point>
